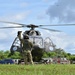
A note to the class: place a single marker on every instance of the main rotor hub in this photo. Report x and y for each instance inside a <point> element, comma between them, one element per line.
<point>32,26</point>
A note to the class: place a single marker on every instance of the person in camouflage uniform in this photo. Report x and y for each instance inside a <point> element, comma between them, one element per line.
<point>26,47</point>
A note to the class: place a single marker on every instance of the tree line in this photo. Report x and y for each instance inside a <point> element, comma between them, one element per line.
<point>38,54</point>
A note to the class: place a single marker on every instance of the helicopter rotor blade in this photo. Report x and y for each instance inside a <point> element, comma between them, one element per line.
<point>58,25</point>
<point>32,26</point>
<point>13,23</point>
<point>38,25</point>
<point>53,30</point>
<point>12,27</point>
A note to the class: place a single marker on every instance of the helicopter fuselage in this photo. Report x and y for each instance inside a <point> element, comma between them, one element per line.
<point>32,33</point>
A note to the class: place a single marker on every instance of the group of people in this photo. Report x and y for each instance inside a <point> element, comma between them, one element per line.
<point>26,47</point>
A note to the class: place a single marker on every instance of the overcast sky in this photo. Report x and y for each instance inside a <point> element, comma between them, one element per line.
<point>39,12</point>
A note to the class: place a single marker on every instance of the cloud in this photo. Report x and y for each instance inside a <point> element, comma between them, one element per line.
<point>65,42</point>
<point>21,16</point>
<point>61,40</point>
<point>2,47</point>
<point>3,35</point>
<point>63,11</point>
<point>7,36</point>
<point>41,16</point>
<point>16,16</point>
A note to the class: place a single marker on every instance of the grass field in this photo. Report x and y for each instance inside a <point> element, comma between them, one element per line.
<point>52,69</point>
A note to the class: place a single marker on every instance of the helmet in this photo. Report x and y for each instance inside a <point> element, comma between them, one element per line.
<point>25,36</point>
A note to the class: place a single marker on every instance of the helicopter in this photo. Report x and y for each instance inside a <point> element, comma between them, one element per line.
<point>34,35</point>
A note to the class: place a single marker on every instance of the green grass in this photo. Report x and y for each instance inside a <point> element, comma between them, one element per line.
<point>52,69</point>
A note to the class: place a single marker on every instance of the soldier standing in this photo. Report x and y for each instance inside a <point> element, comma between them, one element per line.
<point>26,47</point>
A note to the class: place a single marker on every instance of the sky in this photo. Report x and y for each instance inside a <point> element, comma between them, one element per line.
<point>45,12</point>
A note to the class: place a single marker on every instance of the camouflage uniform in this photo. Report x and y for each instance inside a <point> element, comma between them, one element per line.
<point>26,48</point>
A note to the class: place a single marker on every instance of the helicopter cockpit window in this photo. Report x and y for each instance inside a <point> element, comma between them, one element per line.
<point>37,41</point>
<point>32,33</point>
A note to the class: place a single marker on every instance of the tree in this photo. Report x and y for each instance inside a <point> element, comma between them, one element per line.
<point>6,54</point>
<point>60,52</point>
<point>45,55</point>
<point>16,55</point>
<point>1,55</point>
<point>72,57</point>
<point>49,54</point>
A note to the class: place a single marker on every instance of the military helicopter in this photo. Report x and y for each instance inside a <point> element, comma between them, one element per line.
<point>34,35</point>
